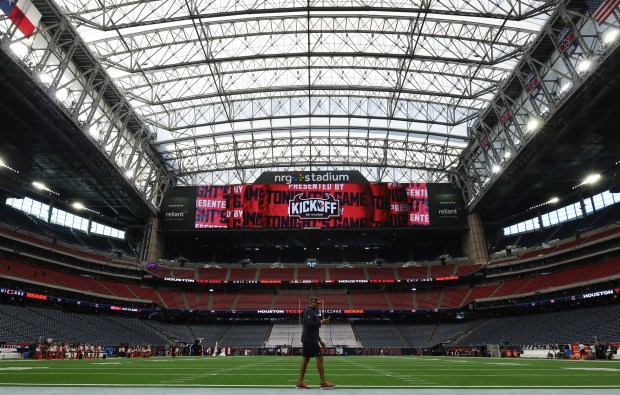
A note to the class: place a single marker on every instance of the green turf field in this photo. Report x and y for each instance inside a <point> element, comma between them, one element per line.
<point>348,372</point>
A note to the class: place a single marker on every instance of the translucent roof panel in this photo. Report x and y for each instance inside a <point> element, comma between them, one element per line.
<point>233,87</point>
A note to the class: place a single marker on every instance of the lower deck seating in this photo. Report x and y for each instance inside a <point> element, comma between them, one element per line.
<point>571,326</point>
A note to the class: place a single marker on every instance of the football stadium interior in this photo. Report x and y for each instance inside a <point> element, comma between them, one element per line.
<point>178,178</point>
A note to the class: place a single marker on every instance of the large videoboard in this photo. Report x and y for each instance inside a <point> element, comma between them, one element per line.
<point>313,200</point>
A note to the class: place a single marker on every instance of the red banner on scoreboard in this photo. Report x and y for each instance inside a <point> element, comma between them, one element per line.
<point>311,206</point>
<point>417,200</point>
<point>212,206</point>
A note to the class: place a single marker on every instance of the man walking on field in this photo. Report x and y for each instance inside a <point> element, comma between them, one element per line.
<point>310,339</point>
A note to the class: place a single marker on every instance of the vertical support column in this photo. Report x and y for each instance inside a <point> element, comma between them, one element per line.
<point>582,205</point>
<point>49,211</point>
<point>153,243</point>
<point>90,224</point>
<point>473,242</point>
<point>540,221</point>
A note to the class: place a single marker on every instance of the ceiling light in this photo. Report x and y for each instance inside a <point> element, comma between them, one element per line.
<point>554,199</point>
<point>496,168</point>
<point>566,87</point>
<point>3,164</point>
<point>584,65</point>
<point>80,206</point>
<point>129,173</point>
<point>592,178</point>
<point>45,78</point>
<point>507,154</point>
<point>610,36</point>
<point>532,125</point>
<point>62,94</point>
<point>92,211</point>
<point>94,131</point>
<point>43,187</point>
<point>20,50</point>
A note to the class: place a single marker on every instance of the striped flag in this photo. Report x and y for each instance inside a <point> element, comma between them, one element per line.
<point>23,14</point>
<point>602,9</point>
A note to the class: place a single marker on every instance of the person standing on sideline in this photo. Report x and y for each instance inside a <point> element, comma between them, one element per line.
<point>310,340</point>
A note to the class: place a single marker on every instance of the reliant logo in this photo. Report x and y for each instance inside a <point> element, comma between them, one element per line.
<point>175,214</point>
<point>311,208</point>
<point>446,211</point>
<point>308,178</point>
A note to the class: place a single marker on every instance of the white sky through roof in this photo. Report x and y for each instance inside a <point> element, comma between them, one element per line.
<point>233,88</point>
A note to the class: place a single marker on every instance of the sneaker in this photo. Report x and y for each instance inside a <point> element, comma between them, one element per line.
<point>302,386</point>
<point>327,385</point>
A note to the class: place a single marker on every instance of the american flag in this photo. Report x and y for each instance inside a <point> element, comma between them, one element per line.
<point>602,9</point>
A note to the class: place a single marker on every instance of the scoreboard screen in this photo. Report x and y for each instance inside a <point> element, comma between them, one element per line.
<point>318,200</point>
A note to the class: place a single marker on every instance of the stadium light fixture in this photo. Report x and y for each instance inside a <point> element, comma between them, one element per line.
<point>507,154</point>
<point>584,65</point>
<point>45,78</point>
<point>566,87</point>
<point>592,179</point>
<point>129,173</point>
<point>532,125</point>
<point>42,187</point>
<point>80,206</point>
<point>62,94</point>
<point>611,36</point>
<point>94,130</point>
<point>3,164</point>
<point>496,169</point>
<point>20,49</point>
<point>553,200</point>
<point>589,180</point>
